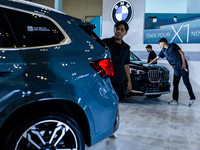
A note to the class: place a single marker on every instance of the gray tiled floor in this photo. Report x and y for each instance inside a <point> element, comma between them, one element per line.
<point>152,124</point>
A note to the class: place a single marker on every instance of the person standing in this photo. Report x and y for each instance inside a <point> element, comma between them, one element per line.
<point>176,59</point>
<point>152,54</point>
<point>120,56</point>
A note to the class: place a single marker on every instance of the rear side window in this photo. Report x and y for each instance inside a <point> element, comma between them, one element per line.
<point>6,37</point>
<point>33,30</point>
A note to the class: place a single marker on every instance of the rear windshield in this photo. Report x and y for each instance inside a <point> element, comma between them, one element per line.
<point>89,30</point>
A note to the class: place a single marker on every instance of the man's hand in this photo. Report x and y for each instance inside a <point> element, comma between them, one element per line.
<point>129,85</point>
<point>154,60</point>
<point>128,77</point>
<point>183,66</point>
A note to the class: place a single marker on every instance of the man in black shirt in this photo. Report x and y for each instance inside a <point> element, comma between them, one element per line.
<point>120,55</point>
<point>152,54</point>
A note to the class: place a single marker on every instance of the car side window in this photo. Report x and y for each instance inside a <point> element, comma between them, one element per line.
<point>6,37</point>
<point>33,30</point>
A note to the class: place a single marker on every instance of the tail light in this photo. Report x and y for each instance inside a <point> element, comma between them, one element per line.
<point>104,67</point>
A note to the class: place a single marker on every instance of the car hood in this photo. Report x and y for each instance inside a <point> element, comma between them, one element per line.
<point>144,66</point>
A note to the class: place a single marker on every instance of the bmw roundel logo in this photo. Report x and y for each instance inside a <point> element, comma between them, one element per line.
<point>122,11</point>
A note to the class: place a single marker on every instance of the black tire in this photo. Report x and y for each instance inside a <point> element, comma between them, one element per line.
<point>153,96</point>
<point>46,130</point>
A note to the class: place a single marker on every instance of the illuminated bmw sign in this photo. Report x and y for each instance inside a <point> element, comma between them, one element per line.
<point>122,11</point>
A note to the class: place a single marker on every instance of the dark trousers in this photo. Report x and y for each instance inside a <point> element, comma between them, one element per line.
<point>178,73</point>
<point>119,89</point>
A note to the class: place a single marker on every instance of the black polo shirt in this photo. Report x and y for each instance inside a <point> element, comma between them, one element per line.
<point>152,55</point>
<point>120,55</point>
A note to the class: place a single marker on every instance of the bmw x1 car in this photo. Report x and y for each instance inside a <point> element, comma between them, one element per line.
<point>149,80</point>
<point>55,91</point>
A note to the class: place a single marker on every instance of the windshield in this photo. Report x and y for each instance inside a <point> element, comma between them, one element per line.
<point>133,57</point>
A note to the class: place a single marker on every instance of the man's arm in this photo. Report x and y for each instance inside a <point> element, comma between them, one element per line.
<point>183,59</point>
<point>128,77</point>
<point>154,60</point>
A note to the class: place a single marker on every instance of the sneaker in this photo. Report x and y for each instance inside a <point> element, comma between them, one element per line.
<point>114,135</point>
<point>173,102</point>
<point>192,102</point>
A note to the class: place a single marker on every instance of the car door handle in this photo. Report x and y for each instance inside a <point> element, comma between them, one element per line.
<point>6,73</point>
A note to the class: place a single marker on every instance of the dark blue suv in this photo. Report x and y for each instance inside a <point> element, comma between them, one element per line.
<point>55,91</point>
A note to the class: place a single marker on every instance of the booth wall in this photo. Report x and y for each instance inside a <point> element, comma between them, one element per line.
<point>82,9</point>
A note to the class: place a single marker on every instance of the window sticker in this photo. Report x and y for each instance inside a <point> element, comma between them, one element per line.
<point>32,29</point>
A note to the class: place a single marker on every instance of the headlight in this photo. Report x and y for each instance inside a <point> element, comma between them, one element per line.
<point>136,71</point>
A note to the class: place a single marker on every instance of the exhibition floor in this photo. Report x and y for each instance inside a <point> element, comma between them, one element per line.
<point>152,124</point>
